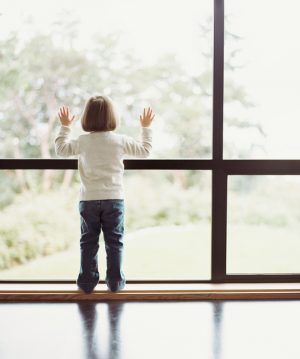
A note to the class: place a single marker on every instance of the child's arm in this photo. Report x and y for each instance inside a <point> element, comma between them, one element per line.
<point>65,147</point>
<point>143,148</point>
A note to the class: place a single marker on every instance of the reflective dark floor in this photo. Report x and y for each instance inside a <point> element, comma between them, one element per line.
<point>118,330</point>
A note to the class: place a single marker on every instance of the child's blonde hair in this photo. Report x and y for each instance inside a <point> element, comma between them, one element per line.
<point>99,115</point>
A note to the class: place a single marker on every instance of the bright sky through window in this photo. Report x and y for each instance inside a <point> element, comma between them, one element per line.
<point>268,51</point>
<point>269,57</point>
<point>148,27</point>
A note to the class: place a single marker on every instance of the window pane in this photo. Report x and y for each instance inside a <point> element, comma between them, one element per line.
<point>139,52</point>
<point>263,225</point>
<point>167,225</point>
<point>262,79</point>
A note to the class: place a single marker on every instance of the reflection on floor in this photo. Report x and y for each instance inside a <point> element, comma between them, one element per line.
<point>142,330</point>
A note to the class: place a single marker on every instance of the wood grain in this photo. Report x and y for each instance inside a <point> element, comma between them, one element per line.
<point>145,295</point>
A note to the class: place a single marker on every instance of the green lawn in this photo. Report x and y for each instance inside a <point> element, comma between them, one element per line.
<point>181,252</point>
<point>263,249</point>
<point>173,252</point>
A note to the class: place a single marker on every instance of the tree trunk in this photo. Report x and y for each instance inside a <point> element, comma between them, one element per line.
<point>67,179</point>
<point>180,179</point>
<point>20,173</point>
<point>47,174</point>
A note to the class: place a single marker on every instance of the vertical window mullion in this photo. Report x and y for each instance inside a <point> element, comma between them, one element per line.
<point>219,178</point>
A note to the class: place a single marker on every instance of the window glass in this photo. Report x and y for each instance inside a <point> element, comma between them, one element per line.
<point>140,53</point>
<point>262,79</point>
<point>167,225</point>
<point>263,225</point>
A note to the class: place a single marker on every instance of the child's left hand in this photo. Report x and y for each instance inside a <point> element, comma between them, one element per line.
<point>65,118</point>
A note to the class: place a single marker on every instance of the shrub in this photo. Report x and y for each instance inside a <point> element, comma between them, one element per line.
<point>37,224</point>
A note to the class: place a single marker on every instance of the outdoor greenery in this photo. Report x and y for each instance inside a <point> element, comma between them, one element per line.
<point>178,244</point>
<point>38,208</point>
<point>37,224</point>
<point>187,249</point>
<point>41,223</point>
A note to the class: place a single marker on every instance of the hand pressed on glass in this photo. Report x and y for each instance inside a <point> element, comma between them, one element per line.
<point>64,117</point>
<point>147,117</point>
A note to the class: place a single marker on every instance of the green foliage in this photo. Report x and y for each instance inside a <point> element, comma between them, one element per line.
<point>45,71</point>
<point>164,202</point>
<point>264,200</point>
<point>37,224</point>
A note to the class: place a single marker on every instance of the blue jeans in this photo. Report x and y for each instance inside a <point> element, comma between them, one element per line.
<point>108,216</point>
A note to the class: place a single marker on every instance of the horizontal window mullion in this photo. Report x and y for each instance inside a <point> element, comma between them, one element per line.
<point>261,167</point>
<point>130,164</point>
<point>261,278</point>
<point>230,167</point>
<point>138,281</point>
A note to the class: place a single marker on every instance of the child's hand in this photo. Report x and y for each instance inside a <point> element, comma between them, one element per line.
<point>64,117</point>
<point>147,117</point>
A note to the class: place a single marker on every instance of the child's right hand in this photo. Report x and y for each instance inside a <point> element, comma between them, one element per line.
<point>147,117</point>
<point>64,117</point>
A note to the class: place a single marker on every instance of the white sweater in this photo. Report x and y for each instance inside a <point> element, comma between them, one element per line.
<point>100,159</point>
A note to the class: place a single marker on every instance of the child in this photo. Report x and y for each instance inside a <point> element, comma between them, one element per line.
<point>101,200</point>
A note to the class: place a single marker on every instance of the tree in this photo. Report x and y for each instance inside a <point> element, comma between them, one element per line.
<point>48,70</point>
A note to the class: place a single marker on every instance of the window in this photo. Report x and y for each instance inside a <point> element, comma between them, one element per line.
<point>184,75</point>
<point>263,225</point>
<point>64,55</point>
<point>262,79</point>
<point>167,226</point>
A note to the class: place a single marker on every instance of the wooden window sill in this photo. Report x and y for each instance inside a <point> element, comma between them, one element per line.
<point>69,292</point>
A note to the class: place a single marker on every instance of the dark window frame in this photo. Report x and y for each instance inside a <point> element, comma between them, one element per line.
<point>220,168</point>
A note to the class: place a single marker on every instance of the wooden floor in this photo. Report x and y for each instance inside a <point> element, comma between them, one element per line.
<point>150,330</point>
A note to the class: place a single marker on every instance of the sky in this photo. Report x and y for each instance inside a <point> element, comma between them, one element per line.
<point>270,49</point>
<point>270,57</point>
<point>150,28</point>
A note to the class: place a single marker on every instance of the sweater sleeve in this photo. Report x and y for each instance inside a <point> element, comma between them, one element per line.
<point>139,148</point>
<point>64,146</point>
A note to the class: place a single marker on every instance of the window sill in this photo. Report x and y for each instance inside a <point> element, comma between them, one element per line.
<point>228,291</point>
